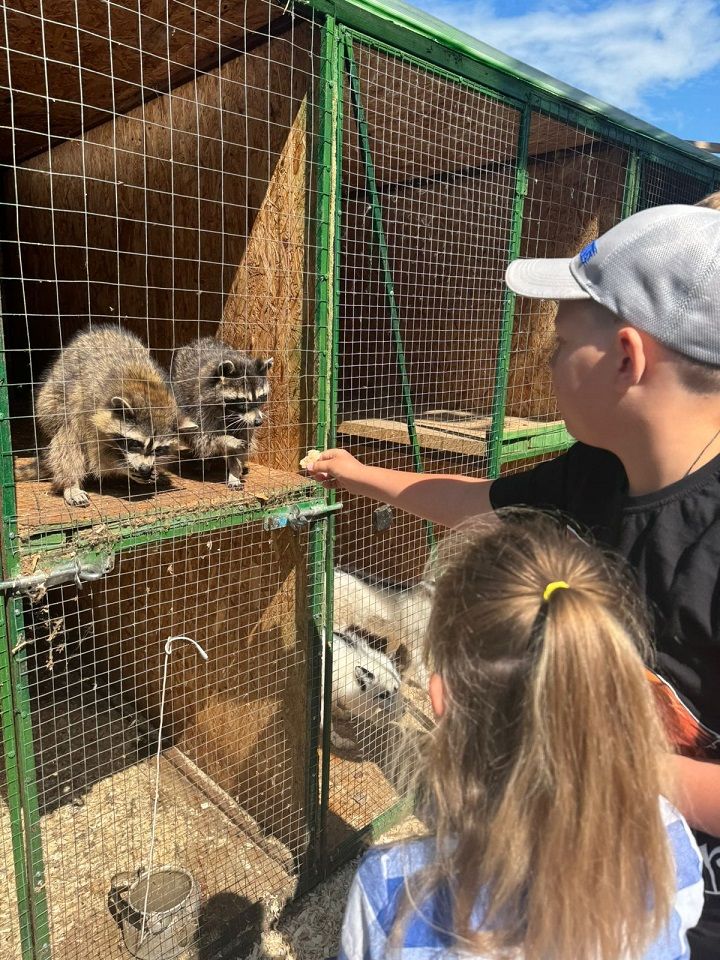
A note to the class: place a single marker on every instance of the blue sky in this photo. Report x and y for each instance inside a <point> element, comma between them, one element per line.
<point>657,59</point>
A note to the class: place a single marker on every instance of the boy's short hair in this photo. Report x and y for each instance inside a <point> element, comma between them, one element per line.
<point>658,270</point>
<point>696,377</point>
<point>712,200</point>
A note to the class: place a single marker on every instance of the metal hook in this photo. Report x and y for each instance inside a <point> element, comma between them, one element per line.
<point>170,640</point>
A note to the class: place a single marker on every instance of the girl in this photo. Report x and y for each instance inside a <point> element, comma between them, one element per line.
<point>550,837</point>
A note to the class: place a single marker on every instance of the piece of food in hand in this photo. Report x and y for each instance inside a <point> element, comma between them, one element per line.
<point>309,460</point>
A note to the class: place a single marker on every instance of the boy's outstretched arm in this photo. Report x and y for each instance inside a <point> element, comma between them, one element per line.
<point>697,793</point>
<point>438,497</point>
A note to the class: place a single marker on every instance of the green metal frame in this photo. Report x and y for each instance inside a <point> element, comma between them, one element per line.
<point>503,361</point>
<point>16,718</point>
<point>326,309</point>
<point>398,30</point>
<point>411,31</point>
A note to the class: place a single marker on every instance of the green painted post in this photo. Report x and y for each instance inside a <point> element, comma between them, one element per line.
<point>16,716</point>
<point>321,547</point>
<point>497,425</point>
<point>332,373</point>
<point>631,191</point>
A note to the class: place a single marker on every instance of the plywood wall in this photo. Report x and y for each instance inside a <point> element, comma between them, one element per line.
<point>446,243</point>
<point>242,716</point>
<point>106,58</point>
<point>574,195</point>
<point>183,218</point>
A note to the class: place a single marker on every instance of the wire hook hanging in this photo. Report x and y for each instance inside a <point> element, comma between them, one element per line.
<point>168,652</point>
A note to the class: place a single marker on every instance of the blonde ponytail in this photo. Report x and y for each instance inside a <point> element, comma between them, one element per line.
<point>544,772</point>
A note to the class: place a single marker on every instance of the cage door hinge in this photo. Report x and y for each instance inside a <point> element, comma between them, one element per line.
<point>77,569</point>
<point>297,518</point>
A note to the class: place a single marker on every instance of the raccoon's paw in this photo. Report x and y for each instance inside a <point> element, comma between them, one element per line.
<point>235,483</point>
<point>75,497</point>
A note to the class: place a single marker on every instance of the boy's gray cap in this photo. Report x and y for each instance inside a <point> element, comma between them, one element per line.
<point>659,271</point>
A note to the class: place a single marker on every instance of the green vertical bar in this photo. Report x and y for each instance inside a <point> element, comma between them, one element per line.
<point>13,790</point>
<point>327,223</point>
<point>335,215</point>
<point>631,191</point>
<point>16,717</point>
<point>497,425</point>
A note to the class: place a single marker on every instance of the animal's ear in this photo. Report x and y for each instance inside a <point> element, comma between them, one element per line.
<point>122,408</point>
<point>264,366</point>
<point>363,677</point>
<point>226,368</point>
<point>186,425</point>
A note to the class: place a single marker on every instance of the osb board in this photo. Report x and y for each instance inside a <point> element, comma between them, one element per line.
<point>242,716</point>
<point>572,198</point>
<point>264,307</point>
<point>105,58</point>
<point>421,125</point>
<point>548,135</point>
<point>176,496</point>
<point>443,430</point>
<point>447,246</point>
<point>85,846</point>
<point>164,213</point>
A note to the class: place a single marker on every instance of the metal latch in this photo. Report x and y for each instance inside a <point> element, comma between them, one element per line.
<point>298,519</point>
<point>78,570</point>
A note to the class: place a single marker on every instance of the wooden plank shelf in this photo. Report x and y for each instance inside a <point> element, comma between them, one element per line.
<point>463,432</point>
<point>125,515</point>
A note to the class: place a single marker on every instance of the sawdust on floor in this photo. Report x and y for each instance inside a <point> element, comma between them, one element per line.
<point>310,928</point>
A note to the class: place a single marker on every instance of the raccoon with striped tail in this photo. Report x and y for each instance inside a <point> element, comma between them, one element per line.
<point>399,615</point>
<point>224,392</point>
<point>107,411</point>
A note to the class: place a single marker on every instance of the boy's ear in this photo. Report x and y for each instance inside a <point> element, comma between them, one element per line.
<point>436,689</point>
<point>632,356</point>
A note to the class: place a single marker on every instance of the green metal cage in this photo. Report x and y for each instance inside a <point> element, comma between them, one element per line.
<point>341,184</point>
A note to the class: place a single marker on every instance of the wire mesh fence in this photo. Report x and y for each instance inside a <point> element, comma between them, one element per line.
<point>228,235</point>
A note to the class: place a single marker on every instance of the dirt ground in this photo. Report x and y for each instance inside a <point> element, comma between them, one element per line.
<point>310,928</point>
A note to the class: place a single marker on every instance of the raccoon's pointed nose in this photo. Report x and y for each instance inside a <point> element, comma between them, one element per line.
<point>145,472</point>
<point>258,419</point>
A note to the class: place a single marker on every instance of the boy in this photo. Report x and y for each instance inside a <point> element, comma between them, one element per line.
<point>636,372</point>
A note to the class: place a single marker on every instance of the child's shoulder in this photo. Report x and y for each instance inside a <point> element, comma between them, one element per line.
<point>392,860</point>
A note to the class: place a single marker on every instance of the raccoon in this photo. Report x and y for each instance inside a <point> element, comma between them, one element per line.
<point>107,410</point>
<point>223,391</point>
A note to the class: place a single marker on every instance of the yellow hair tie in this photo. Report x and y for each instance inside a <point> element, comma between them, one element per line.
<point>552,587</point>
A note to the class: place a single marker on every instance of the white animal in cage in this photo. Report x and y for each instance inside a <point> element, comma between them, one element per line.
<point>400,615</point>
<point>224,392</point>
<point>365,684</point>
<point>108,411</point>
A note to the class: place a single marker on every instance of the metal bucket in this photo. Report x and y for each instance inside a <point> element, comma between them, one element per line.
<point>171,913</point>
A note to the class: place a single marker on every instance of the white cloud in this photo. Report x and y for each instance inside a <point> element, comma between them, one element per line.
<point>621,51</point>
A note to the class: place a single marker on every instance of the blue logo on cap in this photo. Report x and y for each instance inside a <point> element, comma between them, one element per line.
<point>588,252</point>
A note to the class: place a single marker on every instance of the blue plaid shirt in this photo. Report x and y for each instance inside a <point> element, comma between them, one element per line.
<point>374,896</point>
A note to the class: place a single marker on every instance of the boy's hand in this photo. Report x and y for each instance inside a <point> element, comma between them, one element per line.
<point>336,468</point>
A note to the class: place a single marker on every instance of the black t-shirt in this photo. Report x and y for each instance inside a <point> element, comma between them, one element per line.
<point>671,539</point>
